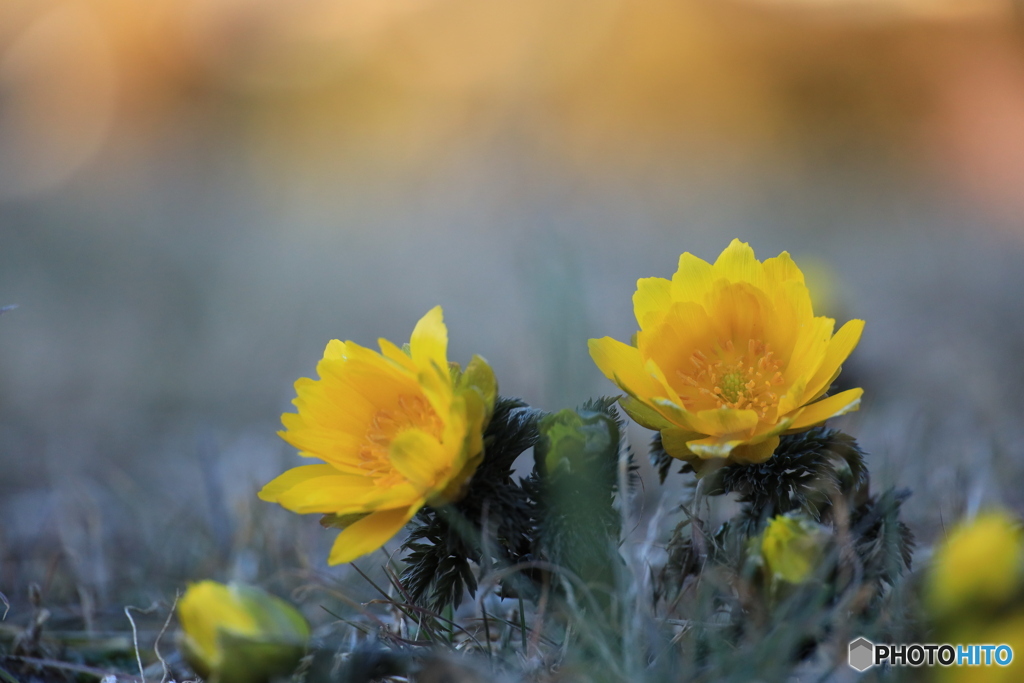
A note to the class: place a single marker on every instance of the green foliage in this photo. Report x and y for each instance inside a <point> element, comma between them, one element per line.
<point>661,460</point>
<point>563,521</point>
<point>439,559</point>
<point>807,472</point>
<point>574,484</point>
<point>713,612</point>
<point>563,513</point>
<point>720,576</point>
<point>884,544</point>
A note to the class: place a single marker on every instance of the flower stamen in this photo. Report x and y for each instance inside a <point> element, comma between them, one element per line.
<point>411,412</point>
<point>728,381</point>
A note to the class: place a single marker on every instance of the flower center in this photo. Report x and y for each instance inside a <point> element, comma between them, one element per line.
<point>411,412</point>
<point>727,378</point>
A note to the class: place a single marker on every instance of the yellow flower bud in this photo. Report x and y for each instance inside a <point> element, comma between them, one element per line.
<point>239,634</point>
<point>792,548</point>
<point>978,565</point>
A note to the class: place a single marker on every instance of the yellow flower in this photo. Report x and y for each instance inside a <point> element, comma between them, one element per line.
<point>397,430</point>
<point>1004,630</point>
<point>792,548</point>
<point>979,565</point>
<point>239,634</point>
<point>729,356</point>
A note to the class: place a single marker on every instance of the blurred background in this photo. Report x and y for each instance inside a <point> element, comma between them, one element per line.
<point>196,195</point>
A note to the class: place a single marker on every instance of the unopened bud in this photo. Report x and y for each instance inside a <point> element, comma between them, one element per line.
<point>792,548</point>
<point>239,634</point>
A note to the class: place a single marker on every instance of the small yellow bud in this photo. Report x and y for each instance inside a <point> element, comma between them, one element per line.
<point>792,548</point>
<point>978,565</point>
<point>239,634</point>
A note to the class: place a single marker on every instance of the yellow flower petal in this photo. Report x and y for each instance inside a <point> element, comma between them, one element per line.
<point>644,414</point>
<point>678,416</point>
<point>781,269</point>
<point>669,345</point>
<point>429,341</point>
<point>469,407</point>
<point>366,373</point>
<point>713,447</point>
<point>345,410</point>
<point>692,280</point>
<point>793,397</point>
<point>394,353</point>
<point>808,351</point>
<point>740,311</point>
<point>738,264</point>
<point>307,435</point>
<point>369,534</point>
<point>765,430</point>
<point>833,406</point>
<point>791,312</point>
<point>335,350</point>
<point>724,421</point>
<point>436,385</point>
<point>419,457</point>
<point>291,478</point>
<point>316,488</point>
<point>653,296</point>
<point>754,453</point>
<point>674,440</point>
<point>479,377</point>
<point>839,349</point>
<point>618,360</point>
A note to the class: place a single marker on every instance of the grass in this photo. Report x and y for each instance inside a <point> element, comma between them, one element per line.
<point>651,604</point>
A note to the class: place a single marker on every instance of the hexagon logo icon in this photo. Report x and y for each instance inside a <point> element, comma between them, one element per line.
<point>862,654</point>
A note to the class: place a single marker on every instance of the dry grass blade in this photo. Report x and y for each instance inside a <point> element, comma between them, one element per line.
<point>156,643</point>
<point>72,668</point>
<point>135,634</point>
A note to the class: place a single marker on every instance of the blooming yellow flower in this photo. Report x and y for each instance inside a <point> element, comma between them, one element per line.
<point>978,565</point>
<point>792,548</point>
<point>729,356</point>
<point>396,430</point>
<point>239,634</point>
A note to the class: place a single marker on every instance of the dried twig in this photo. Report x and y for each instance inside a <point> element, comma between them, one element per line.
<point>68,666</point>
<point>135,634</point>
<point>156,643</point>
